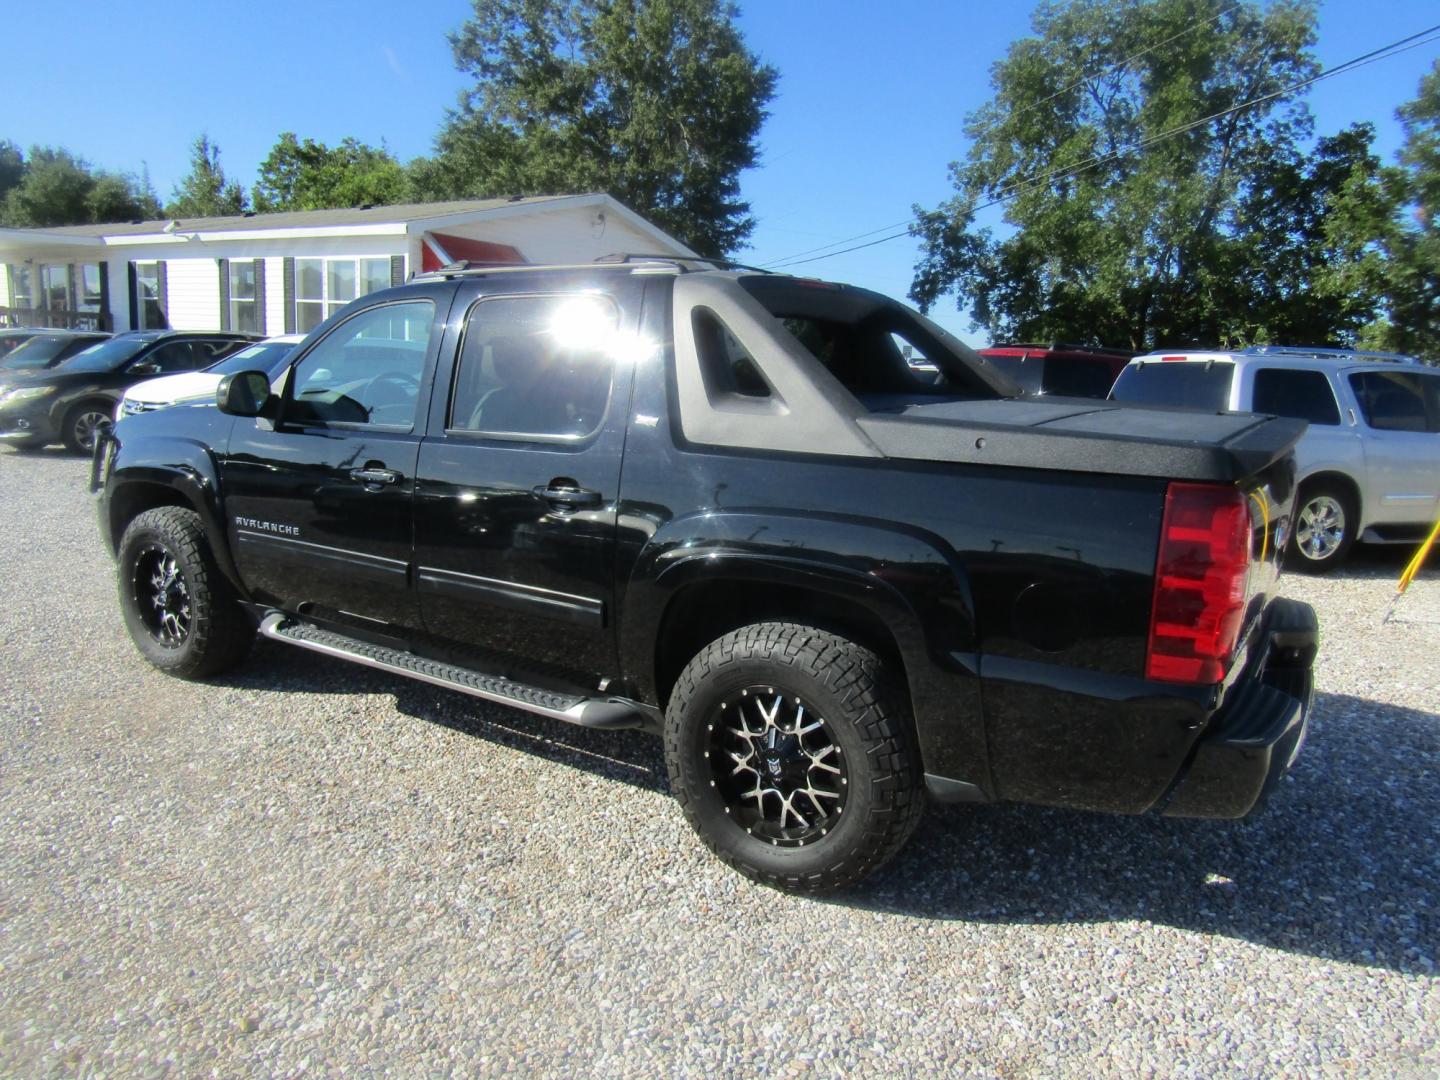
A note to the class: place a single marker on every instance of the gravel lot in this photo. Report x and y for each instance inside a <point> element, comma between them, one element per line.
<point>311,868</point>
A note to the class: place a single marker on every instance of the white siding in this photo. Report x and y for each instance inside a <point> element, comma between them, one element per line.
<point>274,296</point>
<point>192,289</point>
<point>4,285</point>
<point>118,282</point>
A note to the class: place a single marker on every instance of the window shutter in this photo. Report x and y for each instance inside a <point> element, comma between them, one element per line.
<point>164,295</point>
<point>224,293</point>
<point>260,296</point>
<point>287,279</point>
<point>103,322</point>
<point>397,269</point>
<point>134,296</point>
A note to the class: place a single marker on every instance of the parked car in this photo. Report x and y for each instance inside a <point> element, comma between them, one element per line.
<point>1060,370</point>
<point>15,336</point>
<point>196,386</point>
<point>724,507</point>
<point>71,402</point>
<point>1369,463</point>
<point>47,349</point>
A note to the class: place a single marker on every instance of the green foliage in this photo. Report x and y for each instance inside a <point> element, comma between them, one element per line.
<point>1131,226</point>
<point>53,187</point>
<point>204,191</point>
<point>313,176</point>
<point>657,102</point>
<point>12,168</point>
<point>1408,274</point>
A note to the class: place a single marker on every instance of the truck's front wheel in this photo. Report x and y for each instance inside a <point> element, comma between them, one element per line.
<point>791,752</point>
<point>181,612</point>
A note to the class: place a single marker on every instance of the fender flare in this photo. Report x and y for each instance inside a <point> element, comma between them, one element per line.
<point>904,577</point>
<point>189,471</point>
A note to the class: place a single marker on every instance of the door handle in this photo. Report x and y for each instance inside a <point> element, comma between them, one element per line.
<point>371,476</point>
<point>567,495</point>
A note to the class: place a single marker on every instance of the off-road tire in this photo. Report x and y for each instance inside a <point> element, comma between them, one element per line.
<point>866,718</point>
<point>1322,501</point>
<point>217,631</point>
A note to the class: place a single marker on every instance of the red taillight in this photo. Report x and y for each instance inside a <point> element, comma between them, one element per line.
<point>1200,582</point>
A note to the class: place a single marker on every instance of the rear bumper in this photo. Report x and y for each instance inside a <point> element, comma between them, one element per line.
<point>1258,732</point>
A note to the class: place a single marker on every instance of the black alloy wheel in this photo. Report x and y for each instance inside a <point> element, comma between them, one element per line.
<point>181,611</point>
<point>792,752</point>
<point>161,595</point>
<point>776,766</point>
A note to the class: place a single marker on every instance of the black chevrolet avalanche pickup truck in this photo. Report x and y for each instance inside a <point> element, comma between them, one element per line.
<point>721,505</point>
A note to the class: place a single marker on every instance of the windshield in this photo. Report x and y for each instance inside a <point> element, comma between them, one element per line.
<point>1181,383</point>
<point>39,352</point>
<point>266,357</point>
<point>1064,376</point>
<point>107,356</point>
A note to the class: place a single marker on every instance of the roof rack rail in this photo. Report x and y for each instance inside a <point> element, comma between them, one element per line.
<point>714,260</point>
<point>1329,352</point>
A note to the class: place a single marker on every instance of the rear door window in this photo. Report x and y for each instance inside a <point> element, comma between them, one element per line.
<point>535,367</point>
<point>1182,384</point>
<point>1299,394</point>
<point>1398,400</point>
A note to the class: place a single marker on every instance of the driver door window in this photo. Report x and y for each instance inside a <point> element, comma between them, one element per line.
<point>168,359</point>
<point>366,371</point>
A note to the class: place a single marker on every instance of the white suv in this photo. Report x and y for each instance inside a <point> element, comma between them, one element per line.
<point>1369,464</point>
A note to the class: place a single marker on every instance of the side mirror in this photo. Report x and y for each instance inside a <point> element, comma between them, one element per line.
<point>147,367</point>
<point>245,393</point>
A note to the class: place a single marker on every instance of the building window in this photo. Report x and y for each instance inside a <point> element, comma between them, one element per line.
<point>150,309</point>
<point>22,290</point>
<point>55,287</point>
<point>89,285</point>
<point>244,305</point>
<point>324,286</point>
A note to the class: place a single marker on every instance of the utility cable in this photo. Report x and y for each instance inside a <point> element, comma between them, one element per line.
<point>1395,48</point>
<point>1117,65</point>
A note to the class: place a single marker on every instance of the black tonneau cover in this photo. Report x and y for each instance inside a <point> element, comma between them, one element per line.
<point>1081,435</point>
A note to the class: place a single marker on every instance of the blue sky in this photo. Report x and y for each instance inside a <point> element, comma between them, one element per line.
<point>868,115</point>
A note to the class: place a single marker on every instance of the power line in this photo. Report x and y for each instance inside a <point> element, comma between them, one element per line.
<point>1395,48</point>
<point>1115,66</point>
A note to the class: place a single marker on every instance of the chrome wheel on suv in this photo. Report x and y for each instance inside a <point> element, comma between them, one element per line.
<point>1324,529</point>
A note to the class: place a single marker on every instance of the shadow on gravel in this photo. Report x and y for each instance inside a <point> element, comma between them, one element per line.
<point>1343,864</point>
<point>631,757</point>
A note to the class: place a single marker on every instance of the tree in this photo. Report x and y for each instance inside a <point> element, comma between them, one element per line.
<point>204,192</point>
<point>1134,175</point>
<point>12,168</point>
<point>657,102</point>
<point>54,187</point>
<point>313,176</point>
<point>1301,255</point>
<point>1409,272</point>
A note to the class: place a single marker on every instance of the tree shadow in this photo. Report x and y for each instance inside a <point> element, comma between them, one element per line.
<point>1342,864</point>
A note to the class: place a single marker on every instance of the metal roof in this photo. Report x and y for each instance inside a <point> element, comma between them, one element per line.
<point>402,213</point>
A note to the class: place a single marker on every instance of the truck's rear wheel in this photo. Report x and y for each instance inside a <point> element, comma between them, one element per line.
<point>791,752</point>
<point>1325,525</point>
<point>181,612</point>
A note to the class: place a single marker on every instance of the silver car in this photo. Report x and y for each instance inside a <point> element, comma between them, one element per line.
<point>1369,464</point>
